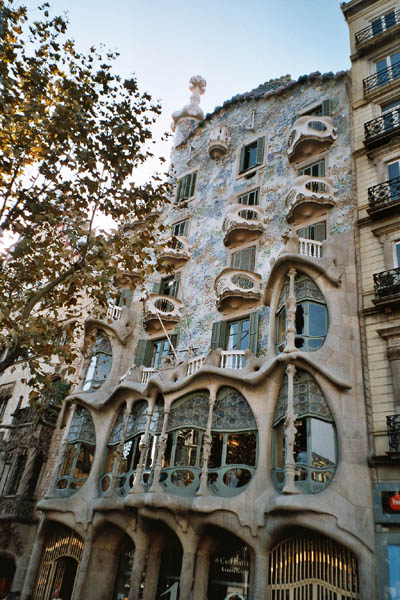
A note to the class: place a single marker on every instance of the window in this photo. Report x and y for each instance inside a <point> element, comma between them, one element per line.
<point>186,187</point>
<point>311,320</point>
<point>151,353</point>
<point>180,228</point>
<point>396,252</point>
<point>388,68</point>
<point>241,334</point>
<point>394,178</point>
<point>169,286</point>
<point>16,474</point>
<point>314,170</point>
<point>249,199</point>
<point>383,22</point>
<point>322,110</point>
<point>100,363</point>
<point>251,155</point>
<point>244,259</point>
<point>3,405</point>
<point>161,349</point>
<point>316,232</point>
<point>391,115</point>
<point>393,551</point>
<point>124,298</point>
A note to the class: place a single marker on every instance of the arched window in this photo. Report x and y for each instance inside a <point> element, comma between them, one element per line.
<point>123,578</point>
<point>100,363</point>
<point>233,456</point>
<point>131,451</point>
<point>187,422</point>
<point>315,451</point>
<point>79,455</point>
<point>311,321</point>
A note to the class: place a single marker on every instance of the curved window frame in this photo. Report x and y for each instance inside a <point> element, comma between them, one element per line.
<point>304,338</point>
<point>100,363</point>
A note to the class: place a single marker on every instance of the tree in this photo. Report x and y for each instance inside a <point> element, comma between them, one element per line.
<point>71,135</point>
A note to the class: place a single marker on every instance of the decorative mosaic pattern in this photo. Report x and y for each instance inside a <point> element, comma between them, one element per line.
<point>308,398</point>
<point>137,419</point>
<point>232,412</point>
<point>82,427</point>
<point>189,410</point>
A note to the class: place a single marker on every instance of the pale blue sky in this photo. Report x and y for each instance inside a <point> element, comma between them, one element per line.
<point>234,44</point>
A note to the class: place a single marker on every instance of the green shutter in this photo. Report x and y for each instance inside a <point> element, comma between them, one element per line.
<point>143,353</point>
<point>320,231</point>
<point>260,151</point>
<point>327,108</point>
<point>218,335</point>
<point>175,287</point>
<point>322,168</point>
<point>125,298</point>
<point>242,159</point>
<point>192,184</point>
<point>253,332</point>
<point>181,187</point>
<point>156,287</point>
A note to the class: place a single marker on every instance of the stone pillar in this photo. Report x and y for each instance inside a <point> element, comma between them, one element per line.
<point>143,446</point>
<point>83,567</point>
<point>119,452</point>
<point>187,570</point>
<point>36,559</point>
<point>203,558</point>
<point>207,439</point>
<point>60,455</point>
<point>153,570</point>
<point>259,577</point>
<point>291,313</point>
<point>139,563</point>
<point>156,487</point>
<point>290,435</point>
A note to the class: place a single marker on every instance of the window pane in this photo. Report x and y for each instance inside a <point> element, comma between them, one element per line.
<point>394,570</point>
<point>244,334</point>
<point>241,449</point>
<point>186,448</point>
<point>215,458</point>
<point>317,320</point>
<point>322,444</point>
<point>398,254</point>
<point>233,336</point>
<point>394,170</point>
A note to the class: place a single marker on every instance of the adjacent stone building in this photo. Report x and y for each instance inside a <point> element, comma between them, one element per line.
<point>375,54</point>
<point>216,446</point>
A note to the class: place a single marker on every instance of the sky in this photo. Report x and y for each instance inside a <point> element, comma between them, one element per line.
<point>234,44</point>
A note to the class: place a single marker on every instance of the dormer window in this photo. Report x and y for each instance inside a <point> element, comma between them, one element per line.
<point>251,155</point>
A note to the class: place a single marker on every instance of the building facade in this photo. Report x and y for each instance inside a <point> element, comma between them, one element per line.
<point>212,446</point>
<point>374,27</point>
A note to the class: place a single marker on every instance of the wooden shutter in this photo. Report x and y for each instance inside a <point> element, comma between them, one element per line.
<point>242,159</point>
<point>156,287</point>
<point>218,335</point>
<point>125,298</point>
<point>320,231</point>
<point>260,151</point>
<point>181,189</point>
<point>322,168</point>
<point>143,353</point>
<point>192,184</point>
<point>175,286</point>
<point>327,108</point>
<point>244,259</point>
<point>253,332</point>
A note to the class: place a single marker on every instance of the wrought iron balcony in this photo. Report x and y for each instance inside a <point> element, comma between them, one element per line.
<point>385,23</point>
<point>176,253</point>
<point>310,134</point>
<point>387,287</point>
<point>161,310</point>
<point>393,429</point>
<point>243,224</point>
<point>218,143</point>
<point>379,130</point>
<point>237,288</point>
<point>378,79</point>
<point>384,197</point>
<point>306,192</point>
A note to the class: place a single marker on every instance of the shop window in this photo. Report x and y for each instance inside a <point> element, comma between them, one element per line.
<point>100,363</point>
<point>151,353</point>
<point>229,573</point>
<point>244,259</point>
<point>79,455</point>
<point>311,320</point>
<point>315,452</point>
<point>241,334</point>
<point>251,155</point>
<point>123,578</point>
<point>186,187</point>
<point>250,199</point>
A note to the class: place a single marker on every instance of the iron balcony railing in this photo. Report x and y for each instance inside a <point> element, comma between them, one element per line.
<point>381,77</point>
<point>383,124</point>
<point>393,429</point>
<point>384,193</point>
<point>378,26</point>
<point>387,283</point>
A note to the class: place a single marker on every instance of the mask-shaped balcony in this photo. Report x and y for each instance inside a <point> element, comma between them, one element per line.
<point>236,288</point>
<point>175,254</point>
<point>218,143</point>
<point>161,309</point>
<point>310,135</point>
<point>125,280</point>
<point>242,224</point>
<point>307,194</point>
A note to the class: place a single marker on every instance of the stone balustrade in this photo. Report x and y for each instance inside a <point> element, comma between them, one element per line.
<point>310,248</point>
<point>233,359</point>
<point>307,193</point>
<point>114,312</point>
<point>147,373</point>
<point>159,308</point>
<point>194,364</point>
<point>218,142</point>
<point>310,134</point>
<point>243,224</point>
<point>237,288</point>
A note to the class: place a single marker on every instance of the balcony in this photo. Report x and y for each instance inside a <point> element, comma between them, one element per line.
<point>125,280</point>
<point>384,198</point>
<point>242,224</point>
<point>114,312</point>
<point>309,135</point>
<point>237,289</point>
<point>233,359</point>
<point>147,374</point>
<point>387,287</point>
<point>384,24</point>
<point>175,254</point>
<point>218,143</point>
<point>393,429</point>
<point>382,78</point>
<point>310,248</point>
<point>307,194</point>
<point>161,311</point>
<point>379,131</point>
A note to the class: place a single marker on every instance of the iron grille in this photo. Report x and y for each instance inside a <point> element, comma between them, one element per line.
<point>393,429</point>
<point>378,27</point>
<point>382,77</point>
<point>383,124</point>
<point>387,283</point>
<point>384,193</point>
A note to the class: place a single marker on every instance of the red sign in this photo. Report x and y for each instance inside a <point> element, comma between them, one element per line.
<point>394,502</point>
